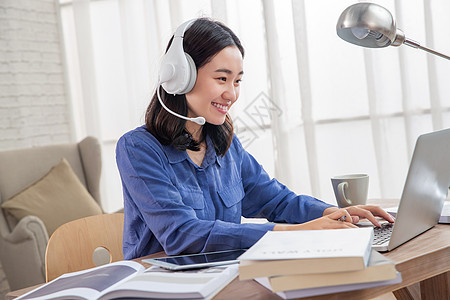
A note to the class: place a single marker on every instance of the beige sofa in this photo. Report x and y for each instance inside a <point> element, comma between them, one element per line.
<point>23,243</point>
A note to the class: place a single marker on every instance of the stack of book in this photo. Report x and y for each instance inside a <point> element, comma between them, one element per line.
<point>314,262</point>
<point>445,214</point>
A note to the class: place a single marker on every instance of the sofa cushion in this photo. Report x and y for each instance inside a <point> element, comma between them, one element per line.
<point>56,198</point>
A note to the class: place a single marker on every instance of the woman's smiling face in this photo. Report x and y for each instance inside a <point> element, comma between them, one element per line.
<point>217,86</point>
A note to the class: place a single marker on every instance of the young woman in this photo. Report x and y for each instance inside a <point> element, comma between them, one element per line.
<point>187,185</point>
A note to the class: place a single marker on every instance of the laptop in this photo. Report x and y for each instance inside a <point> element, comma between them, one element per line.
<point>424,192</point>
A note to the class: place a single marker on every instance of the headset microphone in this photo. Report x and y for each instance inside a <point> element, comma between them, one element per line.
<point>198,120</point>
<point>177,73</point>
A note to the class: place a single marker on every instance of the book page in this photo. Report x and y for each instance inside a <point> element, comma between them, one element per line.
<point>445,214</point>
<point>158,282</point>
<point>86,284</point>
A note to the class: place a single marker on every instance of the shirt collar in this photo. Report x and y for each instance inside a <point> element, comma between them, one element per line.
<point>173,155</point>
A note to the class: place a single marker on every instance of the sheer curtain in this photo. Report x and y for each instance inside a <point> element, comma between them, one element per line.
<point>312,106</point>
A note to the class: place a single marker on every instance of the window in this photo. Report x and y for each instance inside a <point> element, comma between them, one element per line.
<point>312,106</point>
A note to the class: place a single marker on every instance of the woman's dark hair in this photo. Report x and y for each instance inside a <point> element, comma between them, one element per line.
<point>202,41</point>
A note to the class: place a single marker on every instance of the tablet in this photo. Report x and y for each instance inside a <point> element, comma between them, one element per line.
<point>195,261</point>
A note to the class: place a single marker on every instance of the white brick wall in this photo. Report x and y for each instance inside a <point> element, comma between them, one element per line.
<point>34,109</point>
<point>33,103</point>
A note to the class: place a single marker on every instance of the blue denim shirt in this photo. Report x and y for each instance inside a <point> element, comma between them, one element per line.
<point>173,205</point>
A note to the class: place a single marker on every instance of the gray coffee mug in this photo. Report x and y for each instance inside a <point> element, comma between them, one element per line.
<point>350,189</point>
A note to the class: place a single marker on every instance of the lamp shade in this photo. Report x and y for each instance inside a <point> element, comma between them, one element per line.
<point>369,25</point>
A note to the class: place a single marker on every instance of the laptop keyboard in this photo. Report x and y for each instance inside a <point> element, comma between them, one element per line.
<point>382,234</point>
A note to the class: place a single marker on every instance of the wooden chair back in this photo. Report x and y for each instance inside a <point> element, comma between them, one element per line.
<point>79,245</point>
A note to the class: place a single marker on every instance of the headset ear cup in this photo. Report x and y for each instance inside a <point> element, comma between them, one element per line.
<point>177,73</point>
<point>192,74</point>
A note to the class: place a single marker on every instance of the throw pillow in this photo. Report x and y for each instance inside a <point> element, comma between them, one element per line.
<point>56,198</point>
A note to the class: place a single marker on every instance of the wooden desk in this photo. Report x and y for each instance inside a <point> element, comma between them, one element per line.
<point>424,259</point>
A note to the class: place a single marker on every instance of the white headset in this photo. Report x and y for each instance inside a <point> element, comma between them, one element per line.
<point>177,73</point>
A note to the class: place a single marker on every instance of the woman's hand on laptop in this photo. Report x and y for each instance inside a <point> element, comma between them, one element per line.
<point>369,212</point>
<point>339,218</point>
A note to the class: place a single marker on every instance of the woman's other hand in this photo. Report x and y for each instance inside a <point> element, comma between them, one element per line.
<point>337,219</point>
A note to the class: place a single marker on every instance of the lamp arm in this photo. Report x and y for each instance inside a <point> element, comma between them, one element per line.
<point>416,45</point>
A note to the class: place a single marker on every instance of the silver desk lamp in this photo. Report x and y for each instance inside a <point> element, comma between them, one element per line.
<point>371,25</point>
